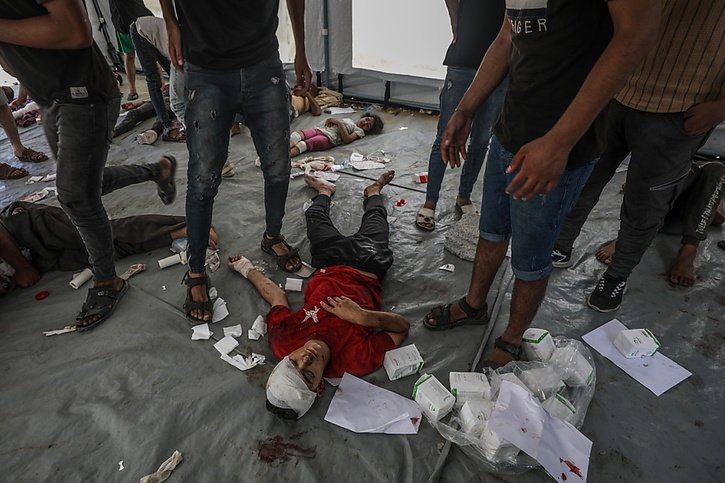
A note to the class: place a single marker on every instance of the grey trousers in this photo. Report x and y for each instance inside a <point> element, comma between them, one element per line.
<point>661,161</point>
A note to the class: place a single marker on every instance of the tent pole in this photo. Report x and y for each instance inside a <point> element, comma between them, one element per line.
<point>326,34</point>
<point>112,53</point>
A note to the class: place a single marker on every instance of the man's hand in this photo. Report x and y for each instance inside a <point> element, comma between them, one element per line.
<point>704,116</point>
<point>26,277</point>
<point>346,309</point>
<point>304,76</point>
<point>176,54</point>
<point>540,164</point>
<point>455,137</point>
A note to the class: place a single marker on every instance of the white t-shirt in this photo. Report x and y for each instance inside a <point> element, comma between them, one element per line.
<point>334,135</point>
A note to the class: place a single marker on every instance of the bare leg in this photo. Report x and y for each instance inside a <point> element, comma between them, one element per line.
<point>129,63</point>
<point>682,272</point>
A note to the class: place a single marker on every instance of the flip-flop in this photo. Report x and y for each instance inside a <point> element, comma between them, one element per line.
<point>32,156</point>
<point>426,219</point>
<point>132,96</point>
<point>101,302</point>
<point>442,315</point>
<point>6,172</point>
<point>167,189</point>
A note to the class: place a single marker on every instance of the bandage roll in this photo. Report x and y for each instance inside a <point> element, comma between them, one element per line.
<point>174,259</point>
<point>81,278</point>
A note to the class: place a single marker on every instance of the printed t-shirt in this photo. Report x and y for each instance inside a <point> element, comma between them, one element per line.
<point>354,349</point>
<point>333,134</point>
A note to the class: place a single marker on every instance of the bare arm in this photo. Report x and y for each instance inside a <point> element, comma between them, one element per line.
<point>66,26</point>
<point>314,106</point>
<point>296,9</point>
<point>173,32</point>
<point>25,274</point>
<point>346,137</point>
<point>350,311</point>
<point>269,291</point>
<point>541,162</point>
<point>452,6</point>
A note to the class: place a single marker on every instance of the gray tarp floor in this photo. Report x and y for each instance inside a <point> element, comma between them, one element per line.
<point>137,388</point>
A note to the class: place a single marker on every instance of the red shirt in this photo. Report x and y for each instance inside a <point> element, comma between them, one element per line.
<point>355,349</point>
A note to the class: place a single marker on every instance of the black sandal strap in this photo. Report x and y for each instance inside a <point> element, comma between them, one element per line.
<point>470,311</point>
<point>514,351</point>
<point>190,281</point>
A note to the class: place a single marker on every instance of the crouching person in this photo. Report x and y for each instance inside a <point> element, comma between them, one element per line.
<point>340,328</point>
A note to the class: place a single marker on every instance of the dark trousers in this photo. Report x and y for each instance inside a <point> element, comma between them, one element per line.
<point>148,55</point>
<point>366,250</point>
<point>662,154</point>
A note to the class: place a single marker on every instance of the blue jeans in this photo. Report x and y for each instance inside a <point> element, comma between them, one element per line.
<point>148,55</point>
<point>213,98</point>
<point>457,81</point>
<point>79,136</point>
<point>533,225</point>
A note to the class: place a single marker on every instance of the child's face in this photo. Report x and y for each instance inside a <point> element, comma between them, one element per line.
<point>366,123</point>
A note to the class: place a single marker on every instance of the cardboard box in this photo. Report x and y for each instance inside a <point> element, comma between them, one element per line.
<point>538,344</point>
<point>474,414</point>
<point>544,382</point>
<point>575,369</point>
<point>560,407</point>
<point>433,398</point>
<point>633,343</point>
<point>469,386</point>
<point>496,380</point>
<point>402,362</point>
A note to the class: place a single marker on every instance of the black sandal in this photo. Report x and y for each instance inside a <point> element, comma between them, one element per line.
<point>167,189</point>
<point>282,260</point>
<point>190,304</point>
<point>101,302</point>
<point>514,351</point>
<point>442,315</point>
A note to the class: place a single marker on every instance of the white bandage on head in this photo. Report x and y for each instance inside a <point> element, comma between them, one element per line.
<point>287,390</point>
<point>302,146</point>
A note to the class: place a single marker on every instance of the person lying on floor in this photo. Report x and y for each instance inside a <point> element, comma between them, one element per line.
<point>334,132</point>
<point>46,235</point>
<point>340,327</point>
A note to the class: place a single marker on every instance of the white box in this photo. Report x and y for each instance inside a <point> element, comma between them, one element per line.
<point>495,448</point>
<point>473,415</point>
<point>575,369</point>
<point>402,362</point>
<point>538,344</point>
<point>544,382</point>
<point>469,386</point>
<point>433,398</point>
<point>560,407</point>
<point>496,380</point>
<point>633,343</point>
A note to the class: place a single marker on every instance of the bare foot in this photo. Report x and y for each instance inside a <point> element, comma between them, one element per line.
<point>431,205</point>
<point>463,201</point>
<point>166,166</point>
<point>376,187</point>
<point>605,252</point>
<point>236,129</point>
<point>682,272</point>
<point>322,186</point>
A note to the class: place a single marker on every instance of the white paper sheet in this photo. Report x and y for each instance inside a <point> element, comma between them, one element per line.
<point>657,373</point>
<point>64,330</point>
<point>362,407</point>
<point>220,311</point>
<point>243,363</point>
<point>448,267</point>
<point>201,332</point>
<point>306,269</point>
<point>365,165</point>
<point>49,177</point>
<point>340,110</point>
<point>293,285</point>
<point>226,345</point>
<point>34,179</point>
<point>233,331</point>
<point>253,335</point>
<point>560,448</point>
<point>259,326</point>
<point>327,176</point>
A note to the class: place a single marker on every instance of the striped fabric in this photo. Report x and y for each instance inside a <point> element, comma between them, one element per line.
<point>688,64</point>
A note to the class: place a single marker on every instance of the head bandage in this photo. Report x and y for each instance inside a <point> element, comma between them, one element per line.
<point>286,389</point>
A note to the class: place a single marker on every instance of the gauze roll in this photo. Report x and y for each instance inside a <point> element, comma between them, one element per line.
<point>287,390</point>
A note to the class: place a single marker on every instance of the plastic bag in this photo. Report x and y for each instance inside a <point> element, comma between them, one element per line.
<point>566,383</point>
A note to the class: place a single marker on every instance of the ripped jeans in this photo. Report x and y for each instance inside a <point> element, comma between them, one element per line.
<point>213,98</point>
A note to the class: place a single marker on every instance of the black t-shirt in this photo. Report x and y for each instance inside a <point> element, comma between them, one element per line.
<point>227,34</point>
<point>125,12</point>
<point>555,45</point>
<point>477,25</point>
<point>79,76</point>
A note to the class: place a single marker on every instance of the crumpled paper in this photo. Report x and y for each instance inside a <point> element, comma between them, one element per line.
<point>164,471</point>
<point>243,363</point>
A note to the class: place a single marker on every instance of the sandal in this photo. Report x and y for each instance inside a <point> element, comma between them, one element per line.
<point>132,96</point>
<point>515,351</point>
<point>101,302</point>
<point>466,209</point>
<point>167,189</point>
<point>32,156</point>
<point>442,315</point>
<point>190,304</point>
<point>175,135</point>
<point>11,172</point>
<point>426,219</point>
<point>282,260</point>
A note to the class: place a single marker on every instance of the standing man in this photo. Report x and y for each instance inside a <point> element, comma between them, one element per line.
<point>230,58</point>
<point>475,25</point>
<point>48,46</point>
<point>661,116</point>
<point>565,60</point>
<point>123,14</point>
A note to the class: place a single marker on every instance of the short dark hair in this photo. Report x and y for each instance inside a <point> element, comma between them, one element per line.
<point>378,123</point>
<point>9,93</point>
<point>284,413</point>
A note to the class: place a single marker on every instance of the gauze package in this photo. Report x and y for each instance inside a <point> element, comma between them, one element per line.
<point>633,343</point>
<point>286,389</point>
<point>402,362</point>
<point>560,407</point>
<point>497,378</point>
<point>433,398</point>
<point>469,386</point>
<point>473,415</point>
<point>575,369</point>
<point>544,382</point>
<point>538,344</point>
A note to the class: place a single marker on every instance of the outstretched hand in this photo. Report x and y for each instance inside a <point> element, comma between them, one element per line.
<point>240,264</point>
<point>453,144</point>
<point>345,309</point>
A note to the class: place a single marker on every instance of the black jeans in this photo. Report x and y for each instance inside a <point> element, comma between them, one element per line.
<point>148,55</point>
<point>366,250</point>
<point>661,158</point>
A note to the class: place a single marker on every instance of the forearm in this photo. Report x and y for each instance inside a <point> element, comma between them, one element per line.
<point>296,9</point>
<point>66,26</point>
<point>387,321</point>
<point>10,252</point>
<point>269,291</point>
<point>634,36</point>
<point>168,12</point>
